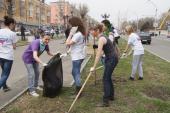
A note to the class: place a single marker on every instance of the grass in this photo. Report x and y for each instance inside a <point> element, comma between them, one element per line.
<point>22,43</point>
<point>151,95</point>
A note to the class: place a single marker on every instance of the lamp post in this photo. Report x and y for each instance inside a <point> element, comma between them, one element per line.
<point>156,9</point>
<point>65,17</point>
<point>105,16</point>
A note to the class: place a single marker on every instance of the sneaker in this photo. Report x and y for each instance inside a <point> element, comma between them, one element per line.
<point>39,88</point>
<point>6,89</point>
<point>140,78</point>
<point>34,94</point>
<point>131,78</point>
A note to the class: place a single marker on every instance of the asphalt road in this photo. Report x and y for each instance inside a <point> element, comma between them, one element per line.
<point>160,46</point>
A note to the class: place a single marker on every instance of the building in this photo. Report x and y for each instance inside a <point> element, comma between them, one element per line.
<point>28,12</point>
<point>60,12</point>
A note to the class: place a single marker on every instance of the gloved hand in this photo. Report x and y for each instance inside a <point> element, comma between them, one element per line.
<point>92,69</point>
<point>123,55</point>
<point>44,64</point>
<point>95,46</point>
<point>68,52</point>
<point>63,55</point>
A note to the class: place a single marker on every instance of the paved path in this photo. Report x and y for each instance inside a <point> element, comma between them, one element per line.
<point>18,77</point>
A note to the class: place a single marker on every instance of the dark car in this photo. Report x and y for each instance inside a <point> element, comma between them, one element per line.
<point>145,37</point>
<point>153,34</point>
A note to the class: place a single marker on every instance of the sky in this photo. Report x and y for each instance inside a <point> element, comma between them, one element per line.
<point>120,10</point>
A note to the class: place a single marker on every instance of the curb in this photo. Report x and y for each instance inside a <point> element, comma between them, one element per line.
<point>13,99</point>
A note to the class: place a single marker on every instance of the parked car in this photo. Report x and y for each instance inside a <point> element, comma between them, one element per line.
<point>145,37</point>
<point>153,34</point>
<point>27,33</point>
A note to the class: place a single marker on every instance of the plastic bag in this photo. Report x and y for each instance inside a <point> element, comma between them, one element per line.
<point>52,77</point>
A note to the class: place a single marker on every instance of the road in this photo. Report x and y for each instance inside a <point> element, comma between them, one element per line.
<point>160,46</point>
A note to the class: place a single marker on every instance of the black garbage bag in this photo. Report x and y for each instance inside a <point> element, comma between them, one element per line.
<point>52,77</point>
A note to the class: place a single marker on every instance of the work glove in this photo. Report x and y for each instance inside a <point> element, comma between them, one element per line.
<point>68,52</point>
<point>92,69</point>
<point>44,64</point>
<point>63,55</point>
<point>124,55</point>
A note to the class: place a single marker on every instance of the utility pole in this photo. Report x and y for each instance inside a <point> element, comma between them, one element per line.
<point>156,9</point>
<point>39,19</point>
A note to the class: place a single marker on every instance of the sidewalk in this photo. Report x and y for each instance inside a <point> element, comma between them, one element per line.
<point>18,77</point>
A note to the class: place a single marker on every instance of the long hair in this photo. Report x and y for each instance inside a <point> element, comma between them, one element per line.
<point>76,21</point>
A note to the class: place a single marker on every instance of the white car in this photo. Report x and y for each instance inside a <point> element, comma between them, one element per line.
<point>27,33</point>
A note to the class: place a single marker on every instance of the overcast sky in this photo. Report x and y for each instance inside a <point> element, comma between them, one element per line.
<point>123,9</point>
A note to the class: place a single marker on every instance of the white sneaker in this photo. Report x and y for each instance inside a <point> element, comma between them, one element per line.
<point>39,88</point>
<point>34,94</point>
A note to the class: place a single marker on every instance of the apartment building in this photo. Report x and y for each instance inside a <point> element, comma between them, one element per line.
<point>29,12</point>
<point>60,12</point>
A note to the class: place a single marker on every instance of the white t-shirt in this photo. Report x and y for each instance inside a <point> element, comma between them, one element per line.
<point>52,31</point>
<point>7,38</point>
<point>115,33</point>
<point>111,37</point>
<point>78,48</point>
<point>135,42</point>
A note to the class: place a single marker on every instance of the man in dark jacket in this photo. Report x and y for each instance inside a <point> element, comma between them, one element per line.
<point>22,32</point>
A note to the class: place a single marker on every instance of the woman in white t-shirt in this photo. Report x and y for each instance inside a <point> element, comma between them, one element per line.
<point>138,51</point>
<point>76,42</point>
<point>7,44</point>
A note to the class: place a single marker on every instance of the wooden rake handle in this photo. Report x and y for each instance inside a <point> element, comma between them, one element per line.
<point>81,90</point>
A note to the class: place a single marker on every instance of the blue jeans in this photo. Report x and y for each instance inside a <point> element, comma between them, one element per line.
<point>76,66</point>
<point>6,69</point>
<point>33,75</point>
<point>110,64</point>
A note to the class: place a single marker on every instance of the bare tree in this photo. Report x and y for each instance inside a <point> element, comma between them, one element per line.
<point>83,9</point>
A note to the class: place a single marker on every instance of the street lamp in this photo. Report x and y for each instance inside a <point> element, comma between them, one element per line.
<point>65,17</point>
<point>156,9</point>
<point>105,16</point>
